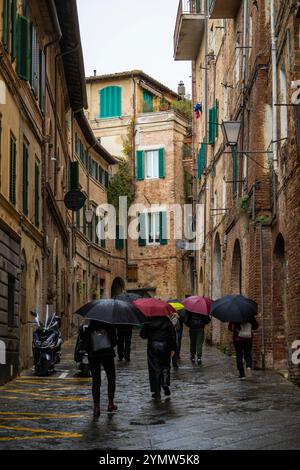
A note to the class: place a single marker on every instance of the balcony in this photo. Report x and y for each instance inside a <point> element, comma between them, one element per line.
<point>224,8</point>
<point>189,30</point>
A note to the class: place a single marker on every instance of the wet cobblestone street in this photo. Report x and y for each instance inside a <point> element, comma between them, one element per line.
<point>209,408</point>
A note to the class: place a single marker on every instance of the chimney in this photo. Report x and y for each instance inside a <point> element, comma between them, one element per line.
<point>181,89</point>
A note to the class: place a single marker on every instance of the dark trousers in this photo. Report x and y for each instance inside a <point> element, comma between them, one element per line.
<point>124,342</point>
<point>179,334</point>
<point>108,364</point>
<point>243,352</point>
<point>197,340</point>
<point>159,362</point>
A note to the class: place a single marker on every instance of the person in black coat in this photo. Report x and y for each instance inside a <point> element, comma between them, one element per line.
<point>196,324</point>
<point>124,334</point>
<point>105,358</point>
<point>161,347</point>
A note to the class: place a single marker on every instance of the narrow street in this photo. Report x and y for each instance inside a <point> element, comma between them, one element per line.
<point>209,409</point>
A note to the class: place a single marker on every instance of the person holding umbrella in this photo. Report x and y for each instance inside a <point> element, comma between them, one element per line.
<point>160,333</point>
<point>124,332</point>
<point>239,311</point>
<point>196,318</point>
<point>243,340</point>
<point>100,339</point>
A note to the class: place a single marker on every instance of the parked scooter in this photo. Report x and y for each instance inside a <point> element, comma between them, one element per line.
<point>80,354</point>
<point>46,344</point>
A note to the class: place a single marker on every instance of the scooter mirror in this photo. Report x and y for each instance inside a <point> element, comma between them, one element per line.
<point>34,314</point>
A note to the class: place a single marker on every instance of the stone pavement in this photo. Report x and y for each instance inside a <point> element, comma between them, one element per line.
<point>209,408</point>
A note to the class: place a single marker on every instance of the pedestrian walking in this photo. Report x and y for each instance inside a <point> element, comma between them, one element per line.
<point>196,324</point>
<point>243,341</point>
<point>124,334</point>
<point>175,322</point>
<point>161,337</point>
<point>99,340</point>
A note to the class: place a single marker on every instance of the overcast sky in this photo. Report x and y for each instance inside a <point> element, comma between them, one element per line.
<point>120,35</point>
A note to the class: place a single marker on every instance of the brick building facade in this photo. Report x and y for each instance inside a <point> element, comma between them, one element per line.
<point>249,192</point>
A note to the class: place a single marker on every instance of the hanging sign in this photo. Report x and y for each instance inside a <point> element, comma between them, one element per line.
<point>74,200</point>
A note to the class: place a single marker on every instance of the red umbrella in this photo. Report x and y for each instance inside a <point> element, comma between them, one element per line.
<point>154,307</point>
<point>197,304</point>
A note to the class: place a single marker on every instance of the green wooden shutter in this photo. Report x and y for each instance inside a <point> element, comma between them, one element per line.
<point>78,219</point>
<point>234,170</point>
<point>163,228</point>
<point>201,159</point>
<point>119,238</point>
<point>84,222</point>
<point>12,171</point>
<point>161,163</point>
<point>25,179</point>
<point>37,195</point>
<point>140,165</point>
<point>198,6</point>
<point>103,241</point>
<point>110,102</point>
<point>147,102</point>
<point>217,115</point>
<point>74,176</point>
<point>14,29</point>
<point>211,126</point>
<point>42,81</point>
<point>91,229</point>
<point>23,48</point>
<point>142,229</point>
<point>6,24</point>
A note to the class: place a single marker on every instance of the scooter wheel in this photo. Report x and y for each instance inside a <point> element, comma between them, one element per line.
<point>41,371</point>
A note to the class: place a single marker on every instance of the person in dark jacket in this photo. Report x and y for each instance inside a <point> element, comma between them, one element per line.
<point>124,334</point>
<point>105,358</point>
<point>161,347</point>
<point>196,324</point>
<point>243,345</point>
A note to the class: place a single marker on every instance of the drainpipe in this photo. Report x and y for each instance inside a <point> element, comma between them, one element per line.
<point>261,249</point>
<point>245,40</point>
<point>43,155</point>
<point>274,85</point>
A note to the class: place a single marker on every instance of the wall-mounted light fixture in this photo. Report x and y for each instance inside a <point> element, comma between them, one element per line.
<point>231,131</point>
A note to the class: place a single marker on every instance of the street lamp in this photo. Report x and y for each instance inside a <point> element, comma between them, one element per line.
<point>231,131</point>
<point>89,214</point>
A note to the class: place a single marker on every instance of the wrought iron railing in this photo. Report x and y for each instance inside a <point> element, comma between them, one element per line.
<point>187,7</point>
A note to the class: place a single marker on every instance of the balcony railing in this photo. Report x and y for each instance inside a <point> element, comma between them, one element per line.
<point>187,10</point>
<point>224,8</point>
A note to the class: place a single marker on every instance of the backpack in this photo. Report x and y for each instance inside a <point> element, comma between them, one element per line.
<point>245,331</point>
<point>100,340</point>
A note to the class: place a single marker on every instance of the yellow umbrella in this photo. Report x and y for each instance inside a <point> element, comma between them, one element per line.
<point>177,306</point>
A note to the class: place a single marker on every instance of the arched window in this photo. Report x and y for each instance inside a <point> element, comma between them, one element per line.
<point>110,102</point>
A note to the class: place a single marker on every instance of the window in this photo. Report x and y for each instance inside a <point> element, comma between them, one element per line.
<point>283,101</point>
<point>132,273</point>
<point>153,228</point>
<point>234,170</point>
<point>12,170</point>
<point>23,48</point>
<point>25,178</point>
<point>213,130</point>
<point>74,176</point>
<point>119,238</point>
<point>147,102</point>
<point>9,36</point>
<point>110,102</point>
<point>35,59</point>
<point>151,163</point>
<point>11,288</point>
<point>237,67</point>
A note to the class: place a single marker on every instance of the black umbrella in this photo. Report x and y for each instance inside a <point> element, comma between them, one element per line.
<point>127,296</point>
<point>234,308</point>
<point>112,311</point>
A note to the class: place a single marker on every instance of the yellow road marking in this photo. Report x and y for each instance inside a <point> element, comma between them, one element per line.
<point>37,396</point>
<point>42,431</point>
<point>30,438</point>
<point>33,416</point>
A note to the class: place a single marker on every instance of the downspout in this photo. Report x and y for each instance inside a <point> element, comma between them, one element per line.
<point>195,179</point>
<point>261,249</point>
<point>44,150</point>
<point>274,86</point>
<point>206,140</point>
<point>134,130</point>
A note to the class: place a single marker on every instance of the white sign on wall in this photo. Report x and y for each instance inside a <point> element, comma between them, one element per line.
<point>296,95</point>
